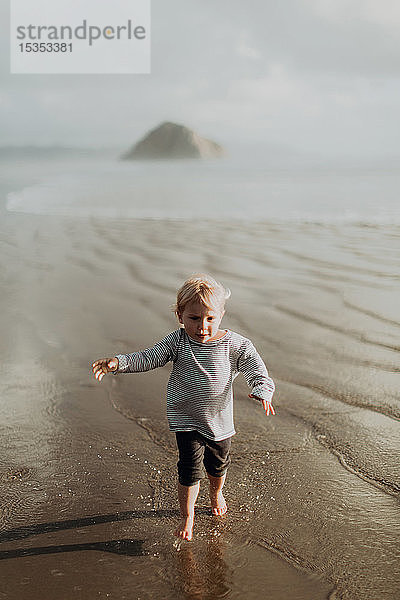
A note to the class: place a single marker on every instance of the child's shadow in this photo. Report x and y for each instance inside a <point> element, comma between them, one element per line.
<point>125,547</point>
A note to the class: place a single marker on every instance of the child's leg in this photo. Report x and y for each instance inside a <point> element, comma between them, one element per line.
<point>218,504</point>
<point>216,462</point>
<point>191,452</point>
<point>187,496</point>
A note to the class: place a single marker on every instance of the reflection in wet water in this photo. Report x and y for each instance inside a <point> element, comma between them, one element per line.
<point>202,571</point>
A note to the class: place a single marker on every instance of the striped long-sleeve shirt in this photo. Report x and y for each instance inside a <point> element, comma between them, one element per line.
<point>199,390</point>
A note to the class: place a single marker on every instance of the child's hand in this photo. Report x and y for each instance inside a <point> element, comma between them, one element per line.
<point>104,365</point>
<point>266,405</point>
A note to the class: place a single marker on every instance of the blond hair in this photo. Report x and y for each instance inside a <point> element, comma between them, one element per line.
<point>201,288</point>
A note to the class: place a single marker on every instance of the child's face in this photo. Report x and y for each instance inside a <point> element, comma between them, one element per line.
<point>201,323</point>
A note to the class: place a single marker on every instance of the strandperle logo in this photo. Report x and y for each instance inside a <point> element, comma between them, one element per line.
<point>80,36</point>
<point>83,31</point>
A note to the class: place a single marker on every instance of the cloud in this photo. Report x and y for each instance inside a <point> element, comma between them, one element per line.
<point>385,13</point>
<point>245,50</point>
<point>322,75</point>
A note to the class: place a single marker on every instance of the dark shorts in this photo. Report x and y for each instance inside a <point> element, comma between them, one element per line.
<point>195,450</point>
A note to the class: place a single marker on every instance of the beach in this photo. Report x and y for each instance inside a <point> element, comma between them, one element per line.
<point>88,470</point>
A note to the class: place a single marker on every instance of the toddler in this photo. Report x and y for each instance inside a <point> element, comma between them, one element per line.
<point>206,360</point>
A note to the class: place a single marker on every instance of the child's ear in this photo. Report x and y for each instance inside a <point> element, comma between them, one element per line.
<point>179,318</point>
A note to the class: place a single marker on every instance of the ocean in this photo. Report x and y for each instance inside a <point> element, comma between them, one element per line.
<point>238,188</point>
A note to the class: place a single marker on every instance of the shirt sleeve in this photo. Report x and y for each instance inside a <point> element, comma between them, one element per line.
<point>255,372</point>
<point>145,360</point>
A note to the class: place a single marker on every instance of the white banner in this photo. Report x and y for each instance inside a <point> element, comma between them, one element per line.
<point>80,36</point>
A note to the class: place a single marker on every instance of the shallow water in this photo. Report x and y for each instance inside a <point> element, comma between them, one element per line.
<point>87,471</point>
<point>240,188</point>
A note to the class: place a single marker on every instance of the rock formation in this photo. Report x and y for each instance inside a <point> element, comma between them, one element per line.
<point>170,140</point>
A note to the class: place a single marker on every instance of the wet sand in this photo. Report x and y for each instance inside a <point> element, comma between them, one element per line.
<point>88,470</point>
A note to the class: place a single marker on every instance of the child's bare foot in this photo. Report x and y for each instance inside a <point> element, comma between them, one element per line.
<point>218,504</point>
<point>185,529</point>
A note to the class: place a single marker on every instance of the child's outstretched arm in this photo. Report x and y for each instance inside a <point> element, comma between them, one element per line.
<point>256,374</point>
<point>138,362</point>
<point>104,365</point>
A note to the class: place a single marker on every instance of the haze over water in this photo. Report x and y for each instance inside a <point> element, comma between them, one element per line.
<point>238,187</point>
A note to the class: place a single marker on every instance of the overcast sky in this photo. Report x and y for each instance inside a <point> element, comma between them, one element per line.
<point>320,76</point>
